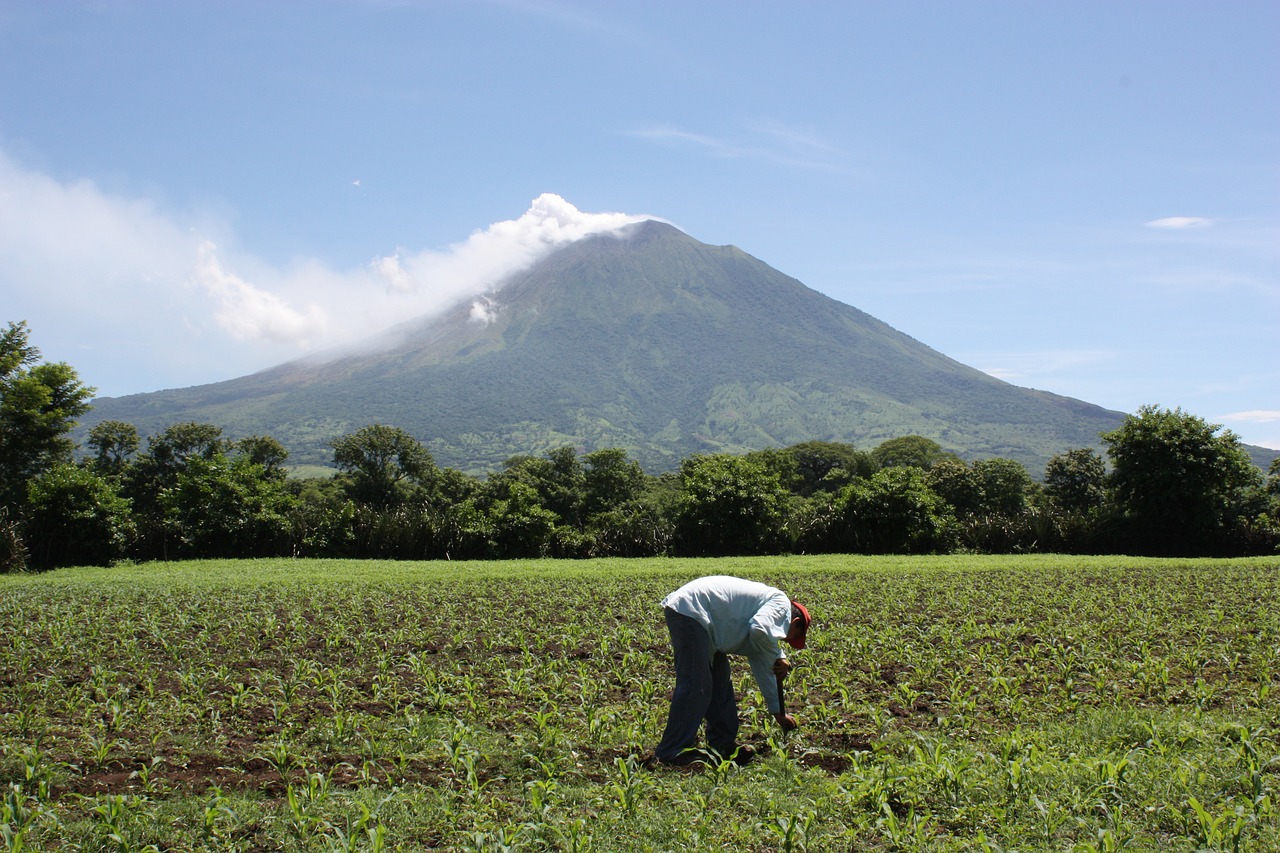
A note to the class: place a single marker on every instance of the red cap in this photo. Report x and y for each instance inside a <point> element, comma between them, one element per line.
<point>798,642</point>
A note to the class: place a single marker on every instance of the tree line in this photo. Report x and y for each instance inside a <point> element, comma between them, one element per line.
<point>1170,484</point>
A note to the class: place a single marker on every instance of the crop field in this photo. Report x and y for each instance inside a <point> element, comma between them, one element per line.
<point>947,704</point>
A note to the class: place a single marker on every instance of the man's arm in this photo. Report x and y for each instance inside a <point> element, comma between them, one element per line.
<point>767,662</point>
<point>784,719</point>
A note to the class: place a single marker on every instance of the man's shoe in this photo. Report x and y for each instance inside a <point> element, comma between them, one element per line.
<point>684,759</point>
<point>740,755</point>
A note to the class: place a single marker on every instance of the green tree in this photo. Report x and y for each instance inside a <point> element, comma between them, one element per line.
<point>959,485</point>
<point>894,512</point>
<point>173,448</point>
<point>222,507</point>
<point>38,407</point>
<point>452,487</point>
<point>1182,487</point>
<point>321,517</point>
<point>76,517</point>
<point>113,443</point>
<point>909,451</point>
<point>558,479</point>
<point>729,505</point>
<point>265,451</point>
<point>384,464</point>
<point>1076,480</point>
<point>1271,490</point>
<point>610,480</point>
<point>1006,485</point>
<point>827,466</point>
<point>156,471</point>
<point>520,526</point>
<point>167,454</point>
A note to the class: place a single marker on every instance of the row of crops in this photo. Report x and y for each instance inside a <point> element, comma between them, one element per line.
<point>1035,703</point>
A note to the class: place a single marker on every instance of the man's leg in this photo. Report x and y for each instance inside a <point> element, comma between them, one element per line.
<point>691,646</point>
<point>722,711</point>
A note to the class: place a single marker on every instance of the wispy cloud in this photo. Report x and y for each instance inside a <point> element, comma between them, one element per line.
<point>107,268</point>
<point>1178,223</point>
<point>590,19</point>
<point>1255,416</point>
<point>1262,425</point>
<point>249,313</point>
<point>1022,367</point>
<point>804,141</point>
<point>764,141</point>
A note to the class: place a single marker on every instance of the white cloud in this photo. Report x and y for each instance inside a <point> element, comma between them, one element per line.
<point>136,297</point>
<point>390,270</point>
<point>1255,416</point>
<point>1176,223</point>
<point>64,236</point>
<point>483,311</point>
<point>1259,423</point>
<point>249,313</point>
<point>764,141</point>
<point>428,281</point>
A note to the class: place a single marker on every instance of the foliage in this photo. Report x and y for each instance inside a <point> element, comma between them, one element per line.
<point>38,407</point>
<point>384,462</point>
<point>913,451</point>
<point>728,505</point>
<point>1006,486</point>
<point>113,443</point>
<point>147,479</point>
<point>1176,487</point>
<point>946,703</point>
<point>170,451</point>
<point>13,551</point>
<point>221,507</point>
<point>557,479</point>
<point>610,480</point>
<point>1182,487</point>
<point>519,525</point>
<point>959,485</point>
<point>894,512</point>
<point>1076,480</point>
<point>75,517</point>
<point>827,466</point>
<point>195,494</point>
<point>264,451</point>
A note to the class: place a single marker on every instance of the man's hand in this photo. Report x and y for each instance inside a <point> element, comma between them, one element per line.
<point>782,667</point>
<point>787,722</point>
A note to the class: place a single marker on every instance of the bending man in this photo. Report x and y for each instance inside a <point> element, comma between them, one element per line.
<point>710,619</point>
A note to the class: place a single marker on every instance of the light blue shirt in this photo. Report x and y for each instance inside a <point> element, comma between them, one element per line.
<point>743,618</point>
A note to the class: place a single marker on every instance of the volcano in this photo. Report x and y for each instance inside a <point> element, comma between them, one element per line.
<point>644,339</point>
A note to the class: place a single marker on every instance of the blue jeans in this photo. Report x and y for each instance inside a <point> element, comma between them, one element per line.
<point>704,690</point>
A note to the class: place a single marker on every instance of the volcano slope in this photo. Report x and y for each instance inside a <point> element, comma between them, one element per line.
<point>645,339</point>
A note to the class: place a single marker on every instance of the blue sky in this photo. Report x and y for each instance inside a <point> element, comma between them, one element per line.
<point>1082,197</point>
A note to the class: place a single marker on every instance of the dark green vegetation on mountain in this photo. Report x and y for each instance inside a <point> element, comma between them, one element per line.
<point>652,342</point>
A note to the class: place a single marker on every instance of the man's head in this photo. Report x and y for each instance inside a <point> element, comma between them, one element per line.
<point>799,626</point>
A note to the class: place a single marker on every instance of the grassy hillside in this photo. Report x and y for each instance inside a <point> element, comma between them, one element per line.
<point>958,703</point>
